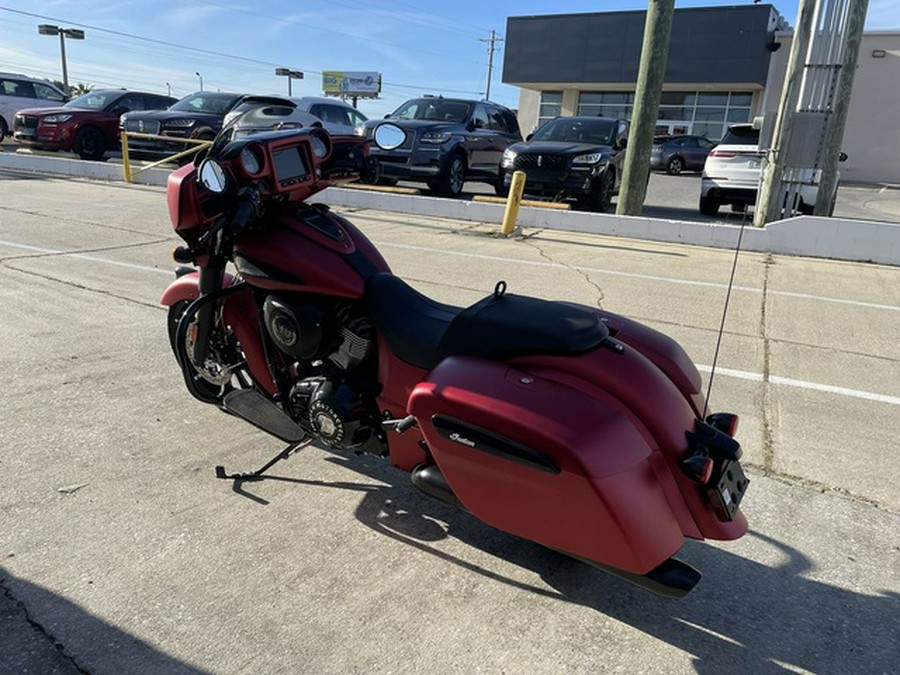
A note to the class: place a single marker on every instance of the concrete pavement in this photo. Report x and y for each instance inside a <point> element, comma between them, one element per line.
<point>121,551</point>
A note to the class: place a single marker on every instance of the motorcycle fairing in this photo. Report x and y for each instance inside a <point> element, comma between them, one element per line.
<point>606,480</point>
<point>315,251</point>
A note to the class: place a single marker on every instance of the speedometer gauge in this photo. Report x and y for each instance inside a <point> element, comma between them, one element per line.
<point>251,160</point>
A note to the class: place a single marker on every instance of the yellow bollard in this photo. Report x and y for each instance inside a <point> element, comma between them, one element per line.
<point>126,163</point>
<point>516,188</point>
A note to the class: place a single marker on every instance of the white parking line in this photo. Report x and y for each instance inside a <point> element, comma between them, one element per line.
<point>81,256</point>
<point>801,384</point>
<point>727,372</point>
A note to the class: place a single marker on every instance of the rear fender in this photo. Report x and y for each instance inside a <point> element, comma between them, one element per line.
<point>239,312</point>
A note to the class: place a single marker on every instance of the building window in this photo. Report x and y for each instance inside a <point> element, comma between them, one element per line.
<point>551,106</point>
<point>706,113</point>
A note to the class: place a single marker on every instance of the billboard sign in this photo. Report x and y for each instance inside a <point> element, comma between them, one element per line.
<point>345,83</point>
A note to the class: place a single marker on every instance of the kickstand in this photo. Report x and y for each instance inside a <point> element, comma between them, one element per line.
<point>258,474</point>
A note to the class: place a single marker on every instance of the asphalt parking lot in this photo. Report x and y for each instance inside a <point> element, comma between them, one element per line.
<point>121,552</point>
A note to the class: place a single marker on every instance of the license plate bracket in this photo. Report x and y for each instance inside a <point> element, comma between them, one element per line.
<point>727,489</point>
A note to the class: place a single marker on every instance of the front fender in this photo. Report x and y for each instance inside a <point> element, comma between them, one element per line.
<point>239,312</point>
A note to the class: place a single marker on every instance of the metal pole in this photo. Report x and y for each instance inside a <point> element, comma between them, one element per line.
<point>834,133</point>
<point>289,78</point>
<point>62,51</point>
<point>652,70</point>
<point>491,41</point>
<point>768,206</point>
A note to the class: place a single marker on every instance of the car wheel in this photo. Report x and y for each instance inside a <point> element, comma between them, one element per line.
<point>450,183</point>
<point>4,130</point>
<point>89,144</point>
<point>675,166</point>
<point>709,206</point>
<point>604,191</point>
<point>500,189</point>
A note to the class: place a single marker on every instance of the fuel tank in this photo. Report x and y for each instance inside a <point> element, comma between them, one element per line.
<point>308,249</point>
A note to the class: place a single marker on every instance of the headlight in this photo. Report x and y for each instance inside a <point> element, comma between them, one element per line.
<point>509,157</point>
<point>62,117</point>
<point>179,123</point>
<point>590,158</point>
<point>436,137</point>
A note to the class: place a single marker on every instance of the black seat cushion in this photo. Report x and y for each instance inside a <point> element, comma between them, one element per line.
<point>423,332</point>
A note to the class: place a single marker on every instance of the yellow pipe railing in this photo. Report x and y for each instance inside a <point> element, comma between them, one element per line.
<point>126,159</point>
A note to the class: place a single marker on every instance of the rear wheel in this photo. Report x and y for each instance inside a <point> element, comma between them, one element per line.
<point>89,144</point>
<point>675,166</point>
<point>709,206</point>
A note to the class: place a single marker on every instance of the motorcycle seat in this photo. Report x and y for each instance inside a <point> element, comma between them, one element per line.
<point>423,332</point>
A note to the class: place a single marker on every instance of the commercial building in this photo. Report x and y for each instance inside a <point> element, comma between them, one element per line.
<point>725,65</point>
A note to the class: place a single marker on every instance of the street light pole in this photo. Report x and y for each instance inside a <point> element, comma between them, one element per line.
<point>72,33</point>
<point>201,79</point>
<point>290,75</point>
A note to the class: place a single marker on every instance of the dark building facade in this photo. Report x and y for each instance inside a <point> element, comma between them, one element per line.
<point>572,64</point>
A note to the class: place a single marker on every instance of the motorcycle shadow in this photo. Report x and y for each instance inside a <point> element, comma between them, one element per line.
<point>744,617</point>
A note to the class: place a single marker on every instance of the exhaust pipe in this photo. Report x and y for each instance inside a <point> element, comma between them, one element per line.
<point>429,479</point>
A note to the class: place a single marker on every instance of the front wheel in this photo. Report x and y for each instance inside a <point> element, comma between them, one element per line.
<point>604,193</point>
<point>215,378</point>
<point>89,144</point>
<point>450,183</point>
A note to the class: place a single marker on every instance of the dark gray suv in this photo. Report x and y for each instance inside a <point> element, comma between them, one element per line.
<point>448,141</point>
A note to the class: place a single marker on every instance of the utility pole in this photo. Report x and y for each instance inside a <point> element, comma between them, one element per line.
<point>769,207</point>
<point>834,133</point>
<point>491,40</point>
<point>651,72</point>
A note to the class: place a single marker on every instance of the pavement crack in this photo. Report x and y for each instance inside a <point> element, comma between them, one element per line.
<point>534,243</point>
<point>767,423</point>
<point>40,628</point>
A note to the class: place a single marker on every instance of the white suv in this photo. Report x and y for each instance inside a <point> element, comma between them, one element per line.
<point>20,91</point>
<point>731,174</point>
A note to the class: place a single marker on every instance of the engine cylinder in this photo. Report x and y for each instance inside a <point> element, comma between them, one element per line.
<point>295,328</point>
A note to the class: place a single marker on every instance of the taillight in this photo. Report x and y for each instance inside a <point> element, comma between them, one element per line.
<point>698,467</point>
<point>724,422</point>
<point>722,153</point>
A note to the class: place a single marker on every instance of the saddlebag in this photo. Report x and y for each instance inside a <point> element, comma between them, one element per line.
<point>548,462</point>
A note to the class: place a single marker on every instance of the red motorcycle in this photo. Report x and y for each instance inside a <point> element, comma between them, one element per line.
<point>567,425</point>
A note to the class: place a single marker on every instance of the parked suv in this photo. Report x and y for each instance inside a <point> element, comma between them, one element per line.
<point>448,141</point>
<point>21,91</point>
<point>197,116</point>
<point>571,157</point>
<point>732,172</point>
<point>87,125</point>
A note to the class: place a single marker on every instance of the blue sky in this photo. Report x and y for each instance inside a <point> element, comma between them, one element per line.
<point>420,47</point>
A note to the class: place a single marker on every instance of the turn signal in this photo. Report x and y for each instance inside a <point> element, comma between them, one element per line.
<point>727,423</point>
<point>698,468</point>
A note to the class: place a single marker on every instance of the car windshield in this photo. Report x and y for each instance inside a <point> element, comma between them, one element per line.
<point>577,130</point>
<point>94,100</point>
<point>741,136</point>
<point>434,109</point>
<point>206,102</point>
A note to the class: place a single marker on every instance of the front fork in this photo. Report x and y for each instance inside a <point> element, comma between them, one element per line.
<point>210,283</point>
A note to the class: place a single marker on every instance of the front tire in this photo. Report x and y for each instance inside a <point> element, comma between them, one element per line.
<point>450,183</point>
<point>604,191</point>
<point>211,385</point>
<point>89,144</point>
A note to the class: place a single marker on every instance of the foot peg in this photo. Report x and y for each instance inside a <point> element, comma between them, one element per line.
<point>250,405</point>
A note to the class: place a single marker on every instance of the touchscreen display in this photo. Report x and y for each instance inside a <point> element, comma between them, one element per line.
<point>288,164</point>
